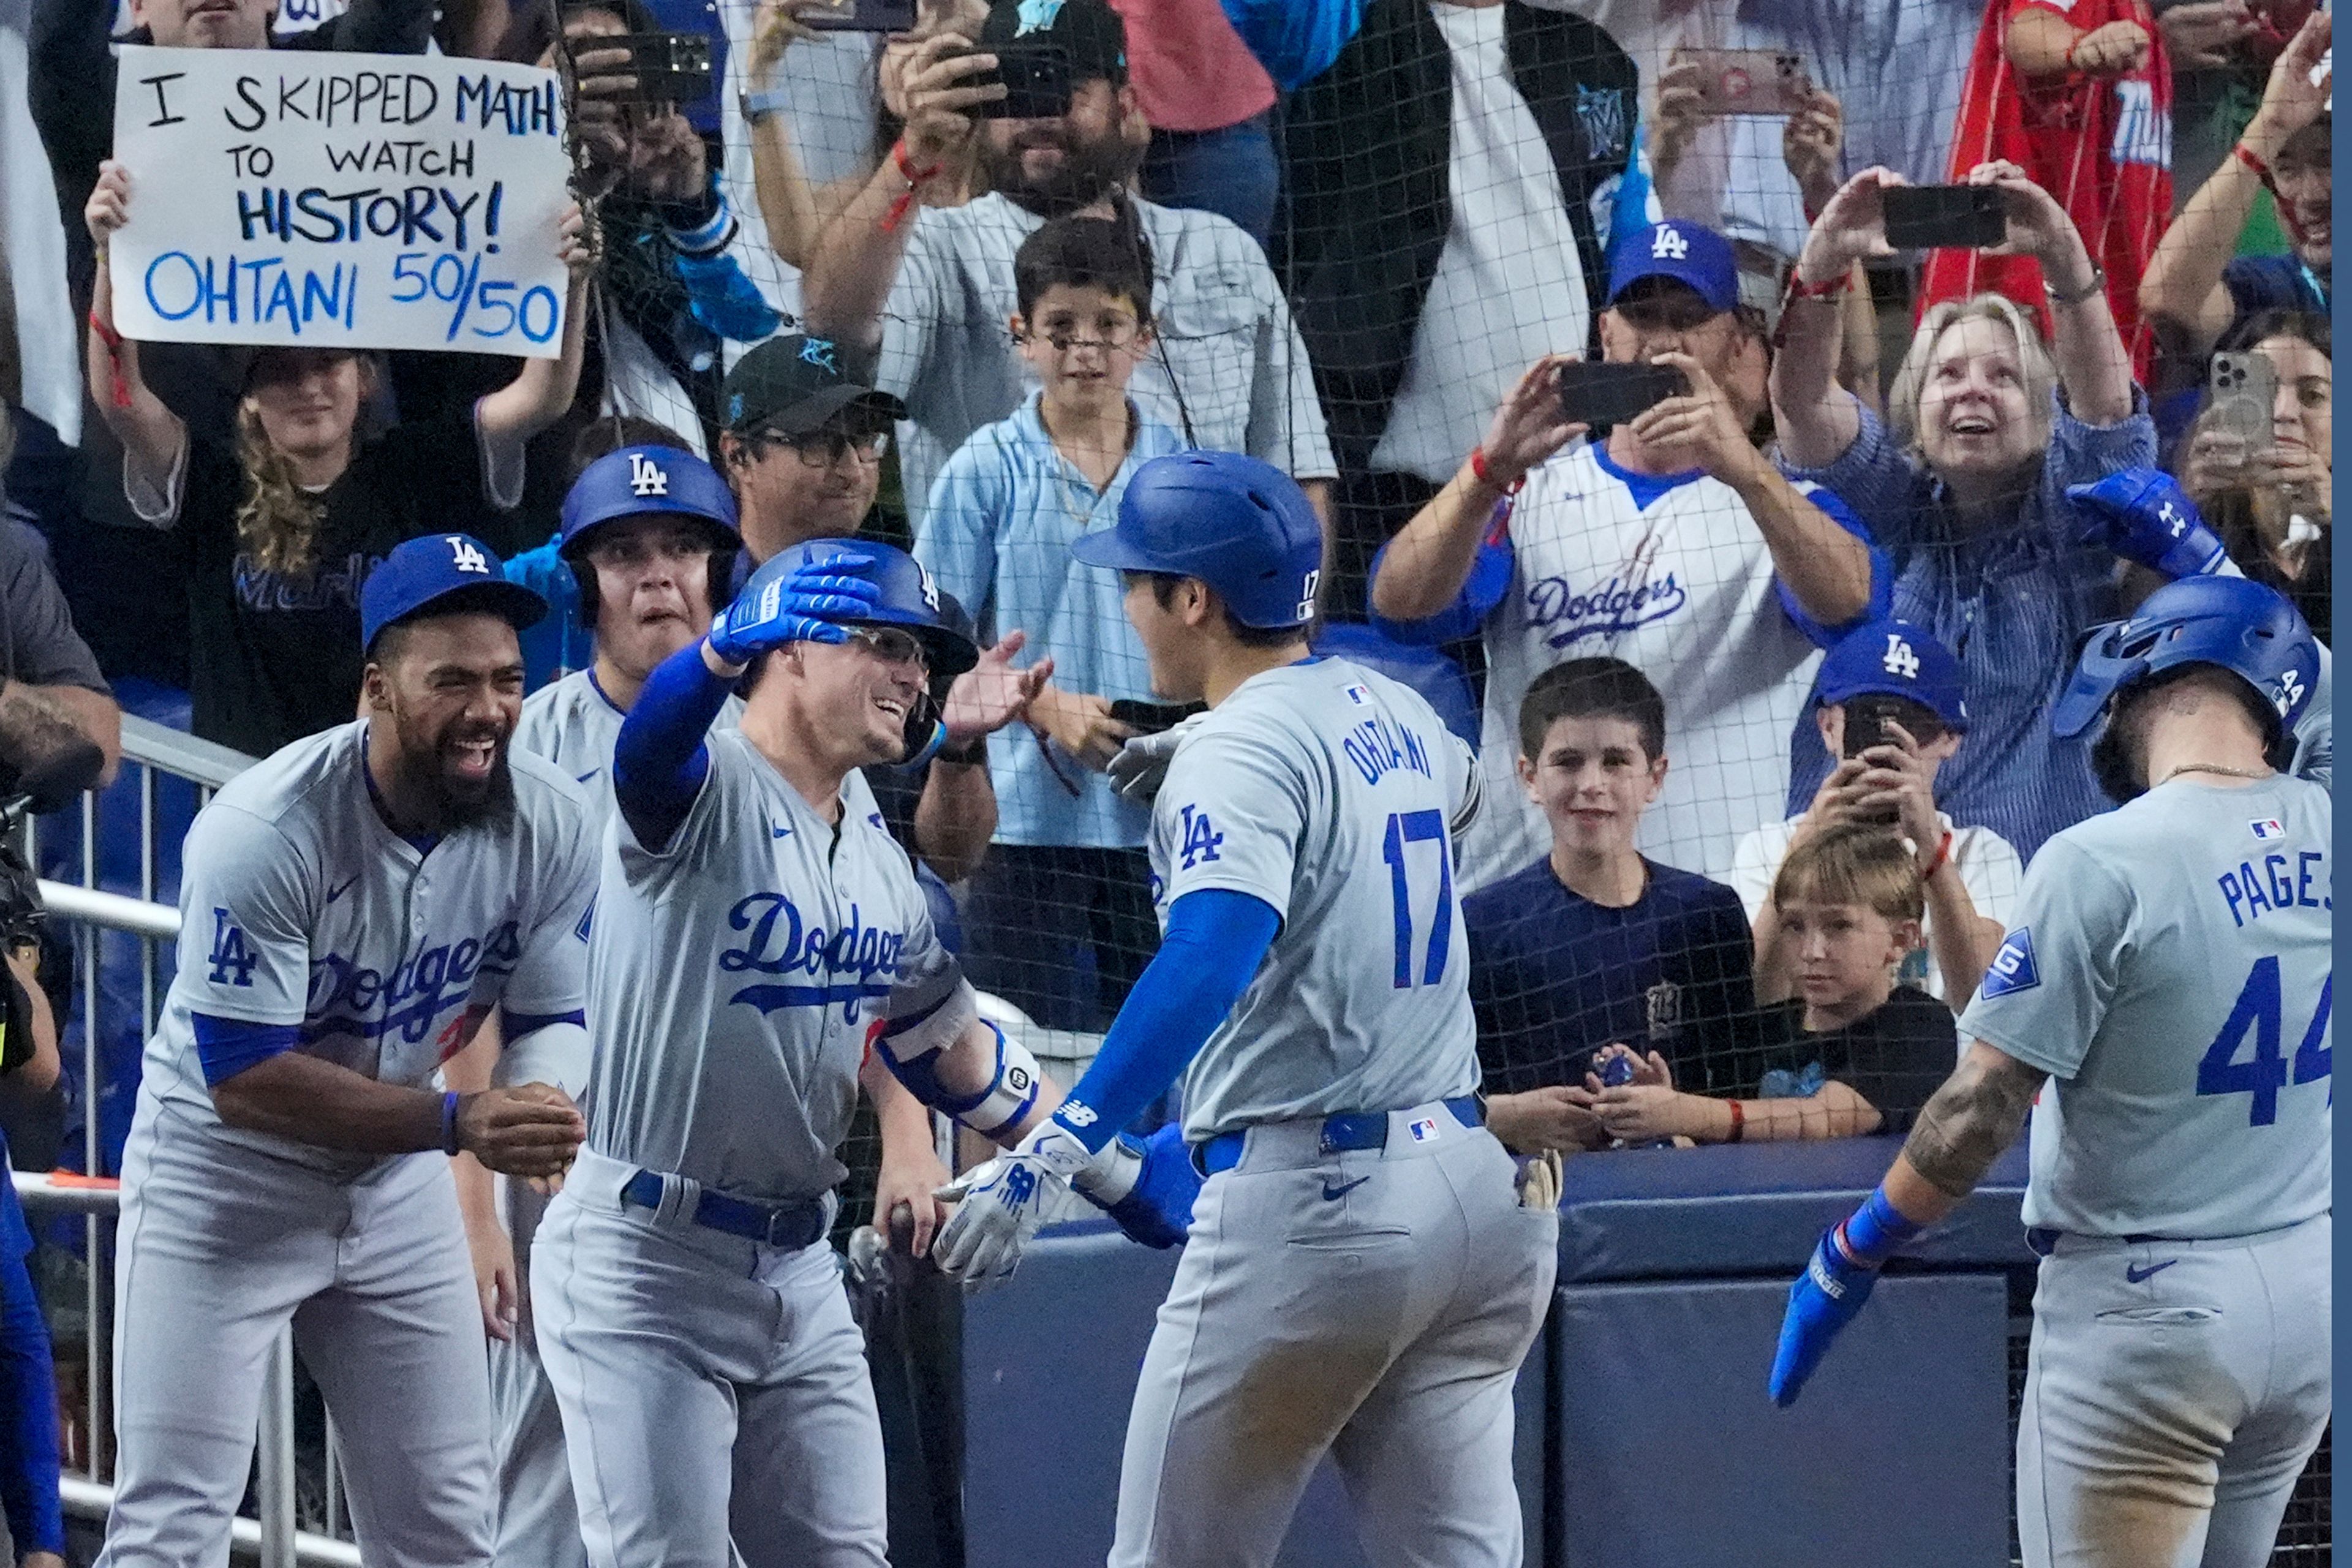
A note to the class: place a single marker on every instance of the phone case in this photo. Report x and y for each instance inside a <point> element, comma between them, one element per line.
<point>864,16</point>
<point>1757,82</point>
<point>1614,393</point>
<point>2245,391</point>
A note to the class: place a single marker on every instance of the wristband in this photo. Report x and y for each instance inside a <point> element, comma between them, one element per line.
<point>2098,281</point>
<point>914,178</point>
<point>1874,1230</point>
<point>1943,858</point>
<point>758,106</point>
<point>1738,1122</point>
<point>450,1121</point>
<point>2253,160</point>
<point>118,384</point>
<point>973,754</point>
<point>1485,477</point>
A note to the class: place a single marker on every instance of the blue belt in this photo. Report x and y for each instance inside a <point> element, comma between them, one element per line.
<point>2043,1240</point>
<point>793,1226</point>
<point>1344,1132</point>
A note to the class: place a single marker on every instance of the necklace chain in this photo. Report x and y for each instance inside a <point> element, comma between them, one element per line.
<point>2213,768</point>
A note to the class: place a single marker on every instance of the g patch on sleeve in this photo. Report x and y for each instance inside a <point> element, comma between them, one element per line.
<point>2013,967</point>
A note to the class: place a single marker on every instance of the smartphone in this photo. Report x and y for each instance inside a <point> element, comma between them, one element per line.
<point>1612,393</point>
<point>1762,82</point>
<point>1151,718</point>
<point>2245,392</point>
<point>863,16</point>
<point>1036,79</point>
<point>669,68</point>
<point>1866,720</point>
<point>1955,218</point>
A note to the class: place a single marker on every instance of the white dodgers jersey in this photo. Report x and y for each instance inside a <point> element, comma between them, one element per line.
<point>1672,576</point>
<point>301,910</point>
<point>1328,791</point>
<point>2168,966</point>
<point>573,724</point>
<point>733,974</point>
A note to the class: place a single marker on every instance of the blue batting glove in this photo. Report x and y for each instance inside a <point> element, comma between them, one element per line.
<point>1823,1299</point>
<point>1157,1208</point>
<point>2143,515</point>
<point>807,603</point>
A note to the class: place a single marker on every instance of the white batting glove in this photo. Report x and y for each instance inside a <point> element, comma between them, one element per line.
<point>1000,1205</point>
<point>1142,762</point>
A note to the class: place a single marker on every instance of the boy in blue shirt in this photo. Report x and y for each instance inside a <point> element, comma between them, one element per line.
<point>1059,920</point>
<point>1594,944</point>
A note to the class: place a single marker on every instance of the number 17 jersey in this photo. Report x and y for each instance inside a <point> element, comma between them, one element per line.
<point>1325,791</point>
<point>2169,965</point>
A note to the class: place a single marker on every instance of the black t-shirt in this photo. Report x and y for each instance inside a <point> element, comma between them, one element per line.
<point>1895,1057</point>
<point>274,657</point>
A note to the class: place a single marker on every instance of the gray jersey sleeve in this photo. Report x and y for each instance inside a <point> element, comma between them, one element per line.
<point>246,914</point>
<point>552,977</point>
<point>1230,813</point>
<point>2053,981</point>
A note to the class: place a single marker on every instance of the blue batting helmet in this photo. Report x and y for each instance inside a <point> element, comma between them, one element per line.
<point>1241,526</point>
<point>909,598</point>
<point>637,482</point>
<point>2229,622</point>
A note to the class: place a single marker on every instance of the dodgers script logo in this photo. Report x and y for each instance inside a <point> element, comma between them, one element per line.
<point>844,967</point>
<point>1564,616</point>
<point>345,995</point>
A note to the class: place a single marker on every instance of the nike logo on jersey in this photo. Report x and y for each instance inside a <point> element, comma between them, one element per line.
<point>334,893</point>
<point>2141,1276</point>
<point>591,773</point>
<point>779,832</point>
<point>1333,1194</point>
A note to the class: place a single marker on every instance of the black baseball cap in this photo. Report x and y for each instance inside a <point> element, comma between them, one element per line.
<point>792,385</point>
<point>1088,31</point>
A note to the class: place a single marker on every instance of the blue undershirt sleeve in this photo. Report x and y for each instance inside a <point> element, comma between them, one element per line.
<point>1216,940</point>
<point>660,759</point>
<point>227,1046</point>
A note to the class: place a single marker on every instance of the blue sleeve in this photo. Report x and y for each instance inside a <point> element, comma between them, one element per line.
<point>1295,40</point>
<point>515,1026</point>
<point>1489,580</point>
<point>660,761</point>
<point>28,1440</point>
<point>227,1046</point>
<point>1216,940</point>
<point>1881,576</point>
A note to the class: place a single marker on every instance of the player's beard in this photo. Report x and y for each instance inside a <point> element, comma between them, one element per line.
<point>1089,172</point>
<point>450,801</point>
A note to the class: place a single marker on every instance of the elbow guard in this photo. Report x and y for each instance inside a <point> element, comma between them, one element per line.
<point>911,1047</point>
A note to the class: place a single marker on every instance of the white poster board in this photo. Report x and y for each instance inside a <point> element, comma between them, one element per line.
<point>330,200</point>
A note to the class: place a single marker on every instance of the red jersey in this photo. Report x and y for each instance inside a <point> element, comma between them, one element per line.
<point>2101,145</point>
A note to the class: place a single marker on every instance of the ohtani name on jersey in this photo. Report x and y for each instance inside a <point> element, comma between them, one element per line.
<point>1613,607</point>
<point>2281,884</point>
<point>1378,748</point>
<point>343,993</point>
<point>853,964</point>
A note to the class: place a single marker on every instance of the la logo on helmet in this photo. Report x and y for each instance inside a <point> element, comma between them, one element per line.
<point>646,477</point>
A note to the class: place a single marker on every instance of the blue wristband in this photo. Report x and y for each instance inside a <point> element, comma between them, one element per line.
<point>1875,1230</point>
<point>450,1121</point>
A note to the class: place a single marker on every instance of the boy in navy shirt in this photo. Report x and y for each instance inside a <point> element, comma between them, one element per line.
<point>1595,945</point>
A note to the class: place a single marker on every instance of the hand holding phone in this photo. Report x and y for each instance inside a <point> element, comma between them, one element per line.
<point>2244,389</point>
<point>1957,217</point>
<point>860,17</point>
<point>1602,393</point>
<point>1763,83</point>
<point>1036,82</point>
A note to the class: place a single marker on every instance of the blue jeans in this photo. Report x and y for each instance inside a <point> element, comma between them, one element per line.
<point>1231,173</point>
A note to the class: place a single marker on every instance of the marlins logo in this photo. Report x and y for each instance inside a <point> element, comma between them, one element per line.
<point>1037,15</point>
<point>1608,128</point>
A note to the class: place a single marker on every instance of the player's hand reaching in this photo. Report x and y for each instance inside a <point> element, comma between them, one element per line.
<point>809,604</point>
<point>1142,762</point>
<point>1080,724</point>
<point>1639,1069</point>
<point>532,1130</point>
<point>992,693</point>
<point>910,1179</point>
<point>1557,1117</point>
<point>1001,1204</point>
<point>495,1279</point>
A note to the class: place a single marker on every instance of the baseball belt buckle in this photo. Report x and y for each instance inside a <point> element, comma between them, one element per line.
<point>787,1227</point>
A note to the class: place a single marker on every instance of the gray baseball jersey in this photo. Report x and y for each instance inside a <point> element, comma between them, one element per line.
<point>732,976</point>
<point>2169,965</point>
<point>573,724</point>
<point>1326,791</point>
<point>302,909</point>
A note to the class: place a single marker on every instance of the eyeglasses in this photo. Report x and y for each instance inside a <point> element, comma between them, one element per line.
<point>892,646</point>
<point>824,448</point>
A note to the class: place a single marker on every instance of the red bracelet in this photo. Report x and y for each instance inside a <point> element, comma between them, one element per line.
<point>1738,1122</point>
<point>120,385</point>
<point>2068,58</point>
<point>1479,470</point>
<point>1943,854</point>
<point>915,178</point>
<point>1827,289</point>
<point>2253,160</point>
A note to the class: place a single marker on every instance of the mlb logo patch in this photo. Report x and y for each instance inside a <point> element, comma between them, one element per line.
<point>2268,828</point>
<point>2013,967</point>
<point>1361,696</point>
<point>1423,1131</point>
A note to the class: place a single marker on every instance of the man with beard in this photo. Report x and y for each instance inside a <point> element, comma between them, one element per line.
<point>355,907</point>
<point>1230,371</point>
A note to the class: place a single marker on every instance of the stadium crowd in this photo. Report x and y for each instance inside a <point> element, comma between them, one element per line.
<point>1759,673</point>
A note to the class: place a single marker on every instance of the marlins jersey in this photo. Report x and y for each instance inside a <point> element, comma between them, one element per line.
<point>573,724</point>
<point>732,975</point>
<point>300,908</point>
<point>1329,793</point>
<point>1671,575</point>
<point>2168,966</point>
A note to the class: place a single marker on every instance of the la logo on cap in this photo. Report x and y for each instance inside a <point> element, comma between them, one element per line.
<point>1900,659</point>
<point>1668,243</point>
<point>646,477</point>
<point>465,556</point>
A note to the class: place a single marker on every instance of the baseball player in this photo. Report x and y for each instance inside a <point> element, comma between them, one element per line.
<point>753,933</point>
<point>1361,1277</point>
<point>352,908</point>
<point>2165,992</point>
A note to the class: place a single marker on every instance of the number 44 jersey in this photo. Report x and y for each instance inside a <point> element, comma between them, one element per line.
<point>1329,793</point>
<point>2168,966</point>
